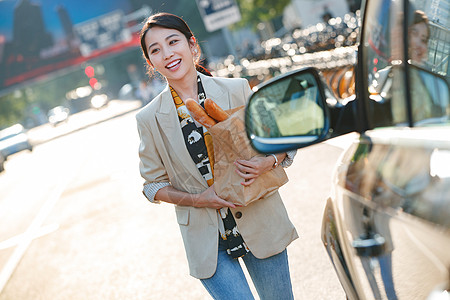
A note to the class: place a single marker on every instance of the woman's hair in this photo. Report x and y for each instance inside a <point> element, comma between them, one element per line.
<point>170,21</point>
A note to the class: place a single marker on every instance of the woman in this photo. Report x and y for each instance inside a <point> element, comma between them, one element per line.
<point>426,102</point>
<point>419,34</point>
<point>175,162</point>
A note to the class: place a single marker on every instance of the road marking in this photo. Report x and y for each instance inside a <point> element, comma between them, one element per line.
<point>15,240</point>
<point>32,232</point>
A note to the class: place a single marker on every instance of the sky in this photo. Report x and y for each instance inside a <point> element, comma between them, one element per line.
<point>79,11</point>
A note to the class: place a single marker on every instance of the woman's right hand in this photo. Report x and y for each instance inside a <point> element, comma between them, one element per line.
<point>209,198</point>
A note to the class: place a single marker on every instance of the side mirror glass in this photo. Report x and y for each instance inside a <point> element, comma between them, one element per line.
<point>288,113</point>
<point>430,97</point>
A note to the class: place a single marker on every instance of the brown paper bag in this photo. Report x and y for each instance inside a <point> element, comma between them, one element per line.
<point>230,143</point>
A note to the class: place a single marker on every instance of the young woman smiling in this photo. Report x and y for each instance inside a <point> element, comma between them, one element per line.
<point>175,164</point>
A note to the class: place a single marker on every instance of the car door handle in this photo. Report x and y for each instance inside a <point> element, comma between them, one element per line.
<point>369,245</point>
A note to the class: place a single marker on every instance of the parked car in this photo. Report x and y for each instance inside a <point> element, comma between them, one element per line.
<point>58,115</point>
<point>99,100</point>
<point>386,225</point>
<point>14,139</point>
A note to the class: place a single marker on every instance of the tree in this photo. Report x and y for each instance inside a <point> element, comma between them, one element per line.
<point>254,12</point>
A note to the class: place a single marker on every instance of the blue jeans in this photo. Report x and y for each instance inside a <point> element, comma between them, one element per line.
<point>270,276</point>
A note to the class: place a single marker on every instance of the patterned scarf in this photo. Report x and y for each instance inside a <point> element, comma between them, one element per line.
<point>200,147</point>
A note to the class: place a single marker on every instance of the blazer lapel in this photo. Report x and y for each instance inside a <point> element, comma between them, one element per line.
<point>215,92</point>
<point>170,127</point>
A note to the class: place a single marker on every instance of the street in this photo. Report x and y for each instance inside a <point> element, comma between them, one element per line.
<point>75,224</point>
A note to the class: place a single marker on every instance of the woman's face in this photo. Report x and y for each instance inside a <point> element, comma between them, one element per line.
<point>170,53</point>
<point>418,42</point>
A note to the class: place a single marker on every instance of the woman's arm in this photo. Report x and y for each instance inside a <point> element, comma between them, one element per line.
<point>250,169</point>
<point>207,198</point>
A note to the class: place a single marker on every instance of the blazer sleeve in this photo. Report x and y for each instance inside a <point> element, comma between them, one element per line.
<point>239,90</point>
<point>247,91</point>
<point>151,167</point>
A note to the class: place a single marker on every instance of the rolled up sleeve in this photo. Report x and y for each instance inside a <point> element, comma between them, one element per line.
<point>289,159</point>
<point>151,189</point>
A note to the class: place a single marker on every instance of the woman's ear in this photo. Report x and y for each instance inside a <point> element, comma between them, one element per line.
<point>194,45</point>
<point>193,42</point>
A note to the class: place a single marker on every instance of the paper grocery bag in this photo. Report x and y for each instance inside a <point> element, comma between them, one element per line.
<point>230,143</point>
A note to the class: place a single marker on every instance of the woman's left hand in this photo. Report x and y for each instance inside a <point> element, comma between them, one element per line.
<point>252,168</point>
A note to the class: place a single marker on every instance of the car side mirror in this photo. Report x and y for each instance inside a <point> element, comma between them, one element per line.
<point>288,112</point>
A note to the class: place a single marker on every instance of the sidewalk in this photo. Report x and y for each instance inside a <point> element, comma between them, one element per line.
<point>81,120</point>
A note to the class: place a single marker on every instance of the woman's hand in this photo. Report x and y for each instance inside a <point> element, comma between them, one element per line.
<point>254,167</point>
<point>209,198</point>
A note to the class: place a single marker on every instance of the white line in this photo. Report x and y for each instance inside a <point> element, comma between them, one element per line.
<point>15,240</point>
<point>30,234</point>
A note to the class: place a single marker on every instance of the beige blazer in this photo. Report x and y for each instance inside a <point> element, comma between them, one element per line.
<point>264,224</point>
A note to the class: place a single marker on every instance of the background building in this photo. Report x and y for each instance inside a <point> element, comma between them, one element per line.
<point>304,13</point>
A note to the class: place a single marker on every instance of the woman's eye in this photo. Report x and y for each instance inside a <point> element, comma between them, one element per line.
<point>154,50</point>
<point>173,42</point>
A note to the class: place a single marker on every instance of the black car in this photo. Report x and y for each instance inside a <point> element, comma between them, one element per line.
<point>386,226</point>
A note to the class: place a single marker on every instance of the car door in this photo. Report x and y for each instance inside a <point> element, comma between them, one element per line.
<point>392,199</point>
<point>393,185</point>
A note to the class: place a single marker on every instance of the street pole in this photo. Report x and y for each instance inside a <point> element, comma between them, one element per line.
<point>230,44</point>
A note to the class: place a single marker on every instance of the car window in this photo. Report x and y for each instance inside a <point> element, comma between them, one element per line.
<point>426,64</point>
<point>429,48</point>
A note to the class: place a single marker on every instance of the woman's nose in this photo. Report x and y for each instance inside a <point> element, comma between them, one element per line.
<point>167,53</point>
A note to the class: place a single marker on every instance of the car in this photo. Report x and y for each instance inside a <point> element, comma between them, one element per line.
<point>386,224</point>
<point>14,139</point>
<point>58,115</point>
<point>99,100</point>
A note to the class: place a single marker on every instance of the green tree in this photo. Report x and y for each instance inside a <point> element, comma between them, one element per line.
<point>254,12</point>
<point>12,108</point>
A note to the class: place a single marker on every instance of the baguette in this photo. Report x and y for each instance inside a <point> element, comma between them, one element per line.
<point>215,111</point>
<point>199,114</point>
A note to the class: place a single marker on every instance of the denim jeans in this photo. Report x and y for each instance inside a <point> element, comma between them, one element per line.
<point>270,276</point>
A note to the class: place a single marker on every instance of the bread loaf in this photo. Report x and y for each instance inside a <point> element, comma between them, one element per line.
<point>198,113</point>
<point>215,111</point>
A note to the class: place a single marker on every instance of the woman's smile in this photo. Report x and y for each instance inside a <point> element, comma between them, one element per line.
<point>174,65</point>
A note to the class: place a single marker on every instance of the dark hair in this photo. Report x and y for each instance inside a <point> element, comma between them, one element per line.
<point>170,21</point>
